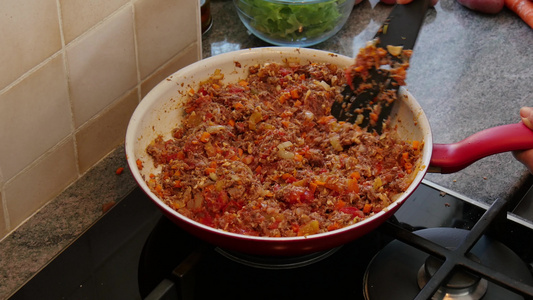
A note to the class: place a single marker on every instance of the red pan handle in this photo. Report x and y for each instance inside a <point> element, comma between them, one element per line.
<point>449,158</point>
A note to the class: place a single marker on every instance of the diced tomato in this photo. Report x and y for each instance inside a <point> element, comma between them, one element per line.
<point>284,72</point>
<point>295,227</point>
<point>300,196</point>
<point>236,89</point>
<point>207,220</point>
<point>274,225</point>
<point>203,92</point>
<point>232,206</point>
<point>352,211</point>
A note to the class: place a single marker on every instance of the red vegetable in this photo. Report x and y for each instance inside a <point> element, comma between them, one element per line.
<point>523,8</point>
<point>352,211</point>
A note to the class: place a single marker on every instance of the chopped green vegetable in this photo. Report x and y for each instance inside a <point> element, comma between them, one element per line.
<point>292,21</point>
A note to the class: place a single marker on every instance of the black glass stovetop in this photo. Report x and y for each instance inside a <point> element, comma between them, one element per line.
<point>133,252</point>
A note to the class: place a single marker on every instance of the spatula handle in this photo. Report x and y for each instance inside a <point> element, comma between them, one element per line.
<point>403,24</point>
<point>449,158</point>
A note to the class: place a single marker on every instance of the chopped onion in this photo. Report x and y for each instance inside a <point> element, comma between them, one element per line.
<point>284,145</point>
<point>282,153</point>
<point>217,75</point>
<point>255,118</point>
<point>359,119</point>
<point>215,128</point>
<point>377,183</point>
<point>308,116</point>
<point>336,142</point>
<point>325,85</point>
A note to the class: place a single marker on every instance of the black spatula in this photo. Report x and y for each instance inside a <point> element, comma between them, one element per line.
<point>400,31</point>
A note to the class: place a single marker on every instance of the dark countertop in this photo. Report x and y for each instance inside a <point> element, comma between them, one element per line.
<point>469,71</point>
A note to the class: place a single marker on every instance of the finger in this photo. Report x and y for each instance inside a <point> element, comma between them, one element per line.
<point>526,158</point>
<point>526,113</point>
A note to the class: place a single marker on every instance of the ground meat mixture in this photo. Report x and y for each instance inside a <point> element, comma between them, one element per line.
<point>264,157</point>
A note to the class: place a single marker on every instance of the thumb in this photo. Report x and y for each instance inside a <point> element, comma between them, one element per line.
<point>526,113</point>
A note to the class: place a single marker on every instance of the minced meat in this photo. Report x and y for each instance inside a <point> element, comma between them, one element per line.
<point>264,157</point>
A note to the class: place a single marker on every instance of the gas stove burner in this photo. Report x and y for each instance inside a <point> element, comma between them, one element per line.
<point>462,285</point>
<point>276,263</point>
<point>399,271</point>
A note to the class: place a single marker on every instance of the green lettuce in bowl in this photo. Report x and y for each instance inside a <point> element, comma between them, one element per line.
<point>294,23</point>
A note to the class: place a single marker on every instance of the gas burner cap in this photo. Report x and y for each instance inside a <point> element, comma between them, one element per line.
<point>394,273</point>
<point>462,285</point>
<point>276,263</point>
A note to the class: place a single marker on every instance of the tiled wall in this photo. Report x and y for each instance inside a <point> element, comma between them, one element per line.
<point>72,72</point>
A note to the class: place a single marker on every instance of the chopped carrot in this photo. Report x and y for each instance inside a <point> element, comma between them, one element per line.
<point>352,185</point>
<point>367,208</point>
<point>258,169</point>
<point>285,124</point>
<point>321,183</point>
<point>334,226</point>
<point>209,171</point>
<point>248,159</point>
<point>405,156</point>
<point>283,97</point>
<point>231,123</point>
<point>286,114</point>
<point>213,164</point>
<point>355,175</point>
<point>240,151</point>
<point>180,155</point>
<point>373,117</point>
<point>295,94</point>
<point>139,164</point>
<point>215,86</point>
<point>238,105</point>
<point>325,119</point>
<point>119,171</point>
<point>177,183</point>
<point>151,175</point>
<point>298,157</point>
<point>243,83</point>
<point>340,204</point>
<point>312,187</point>
<point>205,137</point>
<point>191,92</point>
<point>416,145</point>
<point>523,8</point>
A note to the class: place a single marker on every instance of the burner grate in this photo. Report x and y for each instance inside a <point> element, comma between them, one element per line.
<point>458,257</point>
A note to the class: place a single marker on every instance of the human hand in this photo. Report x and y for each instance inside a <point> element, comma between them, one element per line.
<point>526,156</point>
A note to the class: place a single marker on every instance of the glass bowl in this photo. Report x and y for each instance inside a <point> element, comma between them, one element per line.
<point>297,23</point>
